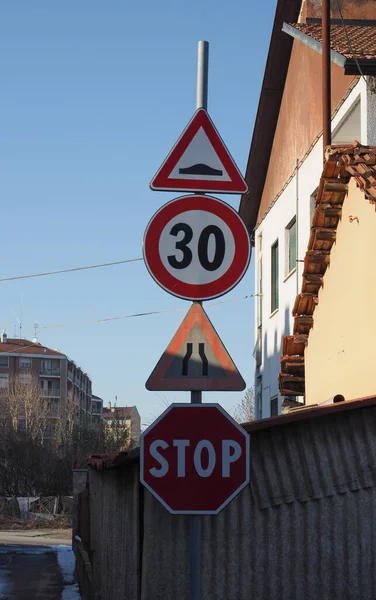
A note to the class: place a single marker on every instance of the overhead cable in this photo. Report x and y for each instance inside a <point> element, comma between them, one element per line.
<point>110,264</point>
<point>142,314</point>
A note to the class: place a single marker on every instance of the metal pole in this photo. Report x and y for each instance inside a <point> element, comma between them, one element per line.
<point>195,538</point>
<point>202,75</point>
<point>326,82</point>
<point>194,557</point>
<point>194,541</point>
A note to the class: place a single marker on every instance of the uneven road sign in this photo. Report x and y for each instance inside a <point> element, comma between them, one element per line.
<point>196,247</point>
<point>199,161</point>
<point>194,458</point>
<point>195,359</point>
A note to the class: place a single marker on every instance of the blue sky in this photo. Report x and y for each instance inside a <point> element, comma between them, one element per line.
<point>94,94</point>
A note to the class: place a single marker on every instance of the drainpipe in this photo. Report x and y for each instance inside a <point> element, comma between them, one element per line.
<point>326,82</point>
<point>297,225</point>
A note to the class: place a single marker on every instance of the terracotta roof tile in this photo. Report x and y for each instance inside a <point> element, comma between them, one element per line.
<point>362,39</point>
<point>121,412</point>
<point>23,346</point>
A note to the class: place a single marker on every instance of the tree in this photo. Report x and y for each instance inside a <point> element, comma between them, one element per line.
<point>244,411</point>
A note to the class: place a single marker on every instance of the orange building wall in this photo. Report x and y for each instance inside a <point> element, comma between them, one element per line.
<point>300,117</point>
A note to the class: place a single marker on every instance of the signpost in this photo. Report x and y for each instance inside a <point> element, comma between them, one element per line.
<point>199,161</point>
<point>195,458</point>
<point>196,247</point>
<point>196,359</point>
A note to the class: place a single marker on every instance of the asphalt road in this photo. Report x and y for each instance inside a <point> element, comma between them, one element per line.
<point>37,573</point>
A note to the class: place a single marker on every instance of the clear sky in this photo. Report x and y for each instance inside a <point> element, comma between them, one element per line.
<point>94,94</point>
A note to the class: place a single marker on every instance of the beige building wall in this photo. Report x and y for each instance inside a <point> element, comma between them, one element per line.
<point>340,356</point>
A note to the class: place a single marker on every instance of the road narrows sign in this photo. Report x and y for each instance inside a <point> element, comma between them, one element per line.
<point>194,459</point>
<point>199,161</point>
<point>195,359</point>
<point>196,247</point>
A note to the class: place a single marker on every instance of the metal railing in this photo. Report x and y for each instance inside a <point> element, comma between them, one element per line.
<point>54,393</point>
<point>49,371</point>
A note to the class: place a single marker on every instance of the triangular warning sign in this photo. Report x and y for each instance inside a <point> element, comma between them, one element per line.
<point>195,359</point>
<point>199,162</point>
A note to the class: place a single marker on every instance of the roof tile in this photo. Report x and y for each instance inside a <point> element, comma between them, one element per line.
<point>353,42</point>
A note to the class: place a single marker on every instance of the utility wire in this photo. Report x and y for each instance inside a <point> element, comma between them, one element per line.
<point>110,264</point>
<point>143,314</point>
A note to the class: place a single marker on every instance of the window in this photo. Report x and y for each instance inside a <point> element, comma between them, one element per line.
<point>275,277</point>
<point>3,381</point>
<point>24,378</point>
<point>259,397</point>
<point>25,363</point>
<point>291,246</point>
<point>312,205</point>
<point>274,406</point>
<point>4,362</point>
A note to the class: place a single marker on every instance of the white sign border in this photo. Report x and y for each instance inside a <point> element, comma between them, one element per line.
<point>247,446</point>
<point>191,298</point>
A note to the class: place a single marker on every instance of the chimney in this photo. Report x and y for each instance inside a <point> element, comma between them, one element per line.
<point>4,337</point>
<point>109,405</point>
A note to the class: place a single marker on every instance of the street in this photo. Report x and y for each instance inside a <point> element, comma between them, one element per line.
<point>37,573</point>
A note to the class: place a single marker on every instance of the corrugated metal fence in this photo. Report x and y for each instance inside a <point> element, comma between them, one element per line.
<point>303,529</point>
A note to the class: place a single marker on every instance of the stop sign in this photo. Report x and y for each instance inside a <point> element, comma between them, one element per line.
<point>194,458</point>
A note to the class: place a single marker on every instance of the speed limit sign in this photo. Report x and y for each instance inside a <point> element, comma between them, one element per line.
<point>196,247</point>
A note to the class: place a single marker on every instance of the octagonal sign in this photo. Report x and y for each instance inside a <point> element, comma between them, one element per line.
<point>194,458</point>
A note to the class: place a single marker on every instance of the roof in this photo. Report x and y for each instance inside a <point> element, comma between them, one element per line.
<point>97,398</point>
<point>118,459</point>
<point>23,346</point>
<point>352,41</point>
<point>268,110</point>
<point>342,163</point>
<point>273,85</point>
<point>101,462</point>
<point>119,412</point>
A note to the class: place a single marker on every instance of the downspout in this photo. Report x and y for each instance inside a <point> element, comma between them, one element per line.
<point>326,81</point>
<point>297,224</point>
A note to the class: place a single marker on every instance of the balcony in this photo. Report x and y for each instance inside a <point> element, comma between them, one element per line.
<point>54,393</point>
<point>49,371</point>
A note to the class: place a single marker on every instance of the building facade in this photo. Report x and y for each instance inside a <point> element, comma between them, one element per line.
<point>127,417</point>
<point>53,375</point>
<point>96,409</point>
<point>286,161</point>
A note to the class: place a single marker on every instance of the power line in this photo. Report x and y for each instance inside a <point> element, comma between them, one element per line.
<point>110,264</point>
<point>143,314</point>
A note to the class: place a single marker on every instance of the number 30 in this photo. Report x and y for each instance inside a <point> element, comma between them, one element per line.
<point>202,249</point>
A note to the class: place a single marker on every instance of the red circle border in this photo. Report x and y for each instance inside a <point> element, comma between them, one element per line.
<point>189,291</point>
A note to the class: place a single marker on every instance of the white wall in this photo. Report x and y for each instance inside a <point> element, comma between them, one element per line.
<point>272,227</point>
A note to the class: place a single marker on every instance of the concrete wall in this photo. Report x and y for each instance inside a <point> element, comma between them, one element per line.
<point>273,227</point>
<point>339,358</point>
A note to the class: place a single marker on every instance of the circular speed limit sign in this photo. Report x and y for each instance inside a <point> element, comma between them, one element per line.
<point>196,247</point>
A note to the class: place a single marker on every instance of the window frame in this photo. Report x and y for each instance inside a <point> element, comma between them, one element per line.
<point>290,266</point>
<point>7,365</point>
<point>22,359</point>
<point>274,403</point>
<point>4,377</point>
<point>274,293</point>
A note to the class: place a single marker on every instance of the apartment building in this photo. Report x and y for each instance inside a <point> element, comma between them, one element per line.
<point>25,362</point>
<point>125,416</point>
<point>96,409</point>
